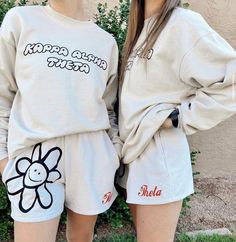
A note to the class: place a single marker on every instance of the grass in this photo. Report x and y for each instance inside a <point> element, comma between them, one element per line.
<point>181,238</point>
<point>201,238</point>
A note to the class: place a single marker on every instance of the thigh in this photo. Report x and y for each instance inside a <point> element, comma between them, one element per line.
<point>36,232</point>
<point>157,222</point>
<point>80,228</point>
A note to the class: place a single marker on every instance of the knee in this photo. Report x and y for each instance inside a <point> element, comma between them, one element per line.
<point>80,228</point>
<point>80,235</point>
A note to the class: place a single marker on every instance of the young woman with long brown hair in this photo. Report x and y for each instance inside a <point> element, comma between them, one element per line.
<point>58,85</point>
<point>177,78</point>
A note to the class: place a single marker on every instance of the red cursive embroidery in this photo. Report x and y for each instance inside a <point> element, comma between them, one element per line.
<point>107,198</point>
<point>144,192</point>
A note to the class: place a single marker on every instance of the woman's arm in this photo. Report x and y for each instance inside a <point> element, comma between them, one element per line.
<point>7,81</point>
<point>209,67</point>
<point>110,98</point>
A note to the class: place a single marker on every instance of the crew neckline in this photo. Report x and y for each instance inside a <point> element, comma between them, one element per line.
<point>65,18</point>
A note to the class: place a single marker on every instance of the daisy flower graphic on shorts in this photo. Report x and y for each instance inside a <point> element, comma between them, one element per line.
<point>33,176</point>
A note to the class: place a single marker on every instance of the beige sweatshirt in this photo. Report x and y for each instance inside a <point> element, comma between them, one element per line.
<point>57,77</point>
<point>190,67</point>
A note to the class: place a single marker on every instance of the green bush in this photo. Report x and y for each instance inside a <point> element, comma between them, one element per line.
<point>5,5</point>
<point>117,216</point>
<point>6,222</point>
<point>186,201</point>
<point>114,20</point>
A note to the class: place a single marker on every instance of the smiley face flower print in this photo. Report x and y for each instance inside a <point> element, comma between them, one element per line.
<point>33,176</point>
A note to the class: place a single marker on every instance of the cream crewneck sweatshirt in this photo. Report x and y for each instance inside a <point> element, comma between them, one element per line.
<point>57,77</point>
<point>190,67</point>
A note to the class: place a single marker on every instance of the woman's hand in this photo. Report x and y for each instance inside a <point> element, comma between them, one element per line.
<point>167,124</point>
<point>3,164</point>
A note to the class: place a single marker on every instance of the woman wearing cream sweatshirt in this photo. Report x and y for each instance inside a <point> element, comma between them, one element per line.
<point>58,86</point>
<point>177,78</point>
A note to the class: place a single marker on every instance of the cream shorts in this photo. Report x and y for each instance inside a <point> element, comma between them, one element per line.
<point>75,171</point>
<point>162,173</point>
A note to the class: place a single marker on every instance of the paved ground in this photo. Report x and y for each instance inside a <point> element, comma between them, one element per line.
<point>214,205</point>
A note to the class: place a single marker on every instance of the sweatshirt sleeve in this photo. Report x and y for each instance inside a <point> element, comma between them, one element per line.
<point>210,69</point>
<point>110,97</point>
<point>7,82</point>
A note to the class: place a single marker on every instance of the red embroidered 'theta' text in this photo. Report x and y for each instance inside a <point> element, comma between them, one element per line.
<point>144,192</point>
<point>107,198</point>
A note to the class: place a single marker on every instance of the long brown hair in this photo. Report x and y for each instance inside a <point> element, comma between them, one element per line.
<point>135,26</point>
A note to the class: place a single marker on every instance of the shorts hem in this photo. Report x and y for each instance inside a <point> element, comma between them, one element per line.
<point>160,202</point>
<point>90,212</point>
<point>36,220</point>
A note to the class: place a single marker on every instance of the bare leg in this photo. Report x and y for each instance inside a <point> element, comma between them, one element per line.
<point>80,228</point>
<point>36,232</point>
<point>157,223</point>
